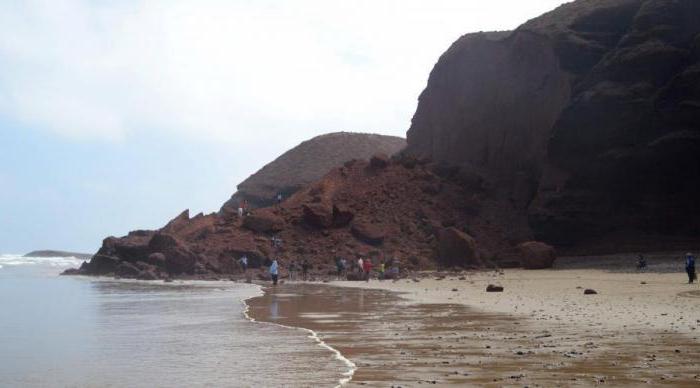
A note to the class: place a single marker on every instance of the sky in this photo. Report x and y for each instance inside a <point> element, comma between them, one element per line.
<point>117,115</point>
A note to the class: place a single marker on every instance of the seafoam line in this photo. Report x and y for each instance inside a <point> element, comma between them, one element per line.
<point>347,376</point>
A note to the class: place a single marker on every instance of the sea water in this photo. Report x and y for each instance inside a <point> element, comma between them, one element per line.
<point>91,332</point>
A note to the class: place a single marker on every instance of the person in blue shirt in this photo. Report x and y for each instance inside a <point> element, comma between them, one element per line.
<point>690,267</point>
<point>274,271</point>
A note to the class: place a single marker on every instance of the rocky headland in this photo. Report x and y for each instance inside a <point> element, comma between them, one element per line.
<point>578,131</point>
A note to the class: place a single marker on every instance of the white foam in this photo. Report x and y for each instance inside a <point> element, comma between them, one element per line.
<point>17,260</point>
<point>347,376</point>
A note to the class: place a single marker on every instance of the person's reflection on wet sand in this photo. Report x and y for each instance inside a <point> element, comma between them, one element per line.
<point>274,308</point>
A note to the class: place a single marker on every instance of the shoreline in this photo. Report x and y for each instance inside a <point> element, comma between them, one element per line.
<point>424,332</point>
<point>347,376</point>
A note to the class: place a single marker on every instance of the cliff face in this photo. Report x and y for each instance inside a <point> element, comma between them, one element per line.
<point>308,162</point>
<point>588,117</point>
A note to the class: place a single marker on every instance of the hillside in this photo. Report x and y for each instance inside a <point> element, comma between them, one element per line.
<point>308,162</point>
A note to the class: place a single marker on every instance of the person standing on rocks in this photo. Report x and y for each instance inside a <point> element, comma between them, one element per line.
<point>244,263</point>
<point>274,271</point>
<point>690,267</point>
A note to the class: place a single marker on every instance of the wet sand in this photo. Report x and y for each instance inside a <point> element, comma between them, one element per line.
<point>409,333</point>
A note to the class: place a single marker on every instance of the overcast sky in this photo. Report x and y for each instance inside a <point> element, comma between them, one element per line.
<point>116,115</point>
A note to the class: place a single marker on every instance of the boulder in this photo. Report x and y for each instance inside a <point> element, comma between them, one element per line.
<point>379,161</point>
<point>178,258</point>
<point>72,271</point>
<point>342,215</point>
<point>318,215</point>
<point>263,222</point>
<point>589,291</point>
<point>127,270</point>
<point>102,265</point>
<point>494,288</point>
<point>536,255</point>
<point>157,259</point>
<point>457,249</point>
<point>368,233</point>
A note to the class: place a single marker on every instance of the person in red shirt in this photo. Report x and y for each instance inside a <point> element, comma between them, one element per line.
<point>367,268</point>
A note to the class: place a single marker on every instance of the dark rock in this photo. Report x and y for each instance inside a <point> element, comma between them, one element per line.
<point>318,215</point>
<point>368,233</point>
<point>589,291</point>
<point>263,222</point>
<point>536,255</point>
<point>342,215</point>
<point>379,161</point>
<point>457,249</point>
<point>494,288</point>
<point>127,270</point>
<point>157,259</point>
<point>102,265</point>
<point>72,271</point>
<point>583,120</point>
<point>178,258</point>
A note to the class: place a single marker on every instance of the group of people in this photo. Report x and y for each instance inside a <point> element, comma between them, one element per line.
<point>363,267</point>
<point>689,266</point>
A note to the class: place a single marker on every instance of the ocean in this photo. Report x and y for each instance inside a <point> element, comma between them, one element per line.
<point>58,331</point>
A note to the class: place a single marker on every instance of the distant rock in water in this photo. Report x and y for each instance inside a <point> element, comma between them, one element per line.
<point>52,253</point>
<point>587,118</point>
<point>308,162</point>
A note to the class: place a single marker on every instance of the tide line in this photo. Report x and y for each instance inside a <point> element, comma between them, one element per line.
<point>347,376</point>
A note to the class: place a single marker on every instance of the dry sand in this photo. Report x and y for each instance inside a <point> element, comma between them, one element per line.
<point>444,329</point>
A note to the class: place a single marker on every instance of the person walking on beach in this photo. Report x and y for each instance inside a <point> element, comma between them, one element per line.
<point>641,263</point>
<point>382,269</point>
<point>274,271</point>
<point>279,198</point>
<point>244,263</point>
<point>339,267</point>
<point>367,268</point>
<point>690,267</point>
<point>361,266</point>
<point>305,266</point>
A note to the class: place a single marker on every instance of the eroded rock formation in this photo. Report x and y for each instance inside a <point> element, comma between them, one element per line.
<point>587,118</point>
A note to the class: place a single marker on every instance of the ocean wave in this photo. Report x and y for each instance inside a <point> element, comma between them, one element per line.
<point>17,260</point>
<point>351,366</point>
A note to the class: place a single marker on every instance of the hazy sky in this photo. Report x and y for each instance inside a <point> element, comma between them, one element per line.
<point>117,115</point>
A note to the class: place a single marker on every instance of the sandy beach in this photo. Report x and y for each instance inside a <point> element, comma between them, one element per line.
<point>444,329</point>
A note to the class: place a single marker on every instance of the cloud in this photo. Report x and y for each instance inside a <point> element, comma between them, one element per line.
<point>228,71</point>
